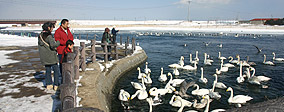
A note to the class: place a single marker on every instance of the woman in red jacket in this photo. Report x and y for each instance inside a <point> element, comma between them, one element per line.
<point>62,34</point>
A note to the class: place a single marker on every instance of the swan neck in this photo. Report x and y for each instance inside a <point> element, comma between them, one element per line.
<point>214,84</point>
<point>202,74</point>
<point>190,57</point>
<point>264,59</point>
<point>150,104</point>
<point>253,73</point>
<point>181,107</point>
<point>219,54</point>
<point>241,69</point>
<point>207,106</point>
<point>216,78</point>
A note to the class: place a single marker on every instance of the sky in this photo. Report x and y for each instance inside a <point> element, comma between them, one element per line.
<point>141,9</point>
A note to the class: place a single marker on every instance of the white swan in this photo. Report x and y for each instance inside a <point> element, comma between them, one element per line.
<point>175,71</point>
<point>232,60</point>
<point>208,103</point>
<point>212,94</point>
<point>155,91</point>
<point>196,56</point>
<point>277,59</point>
<point>177,101</point>
<point>191,61</point>
<point>221,57</point>
<point>138,85</point>
<point>179,65</point>
<point>197,105</point>
<point>147,70</point>
<point>199,92</point>
<point>147,79</point>
<point>123,95</point>
<point>202,79</point>
<point>240,79</point>
<point>163,77</point>
<point>140,75</point>
<point>142,94</point>
<point>206,62</point>
<point>218,71</point>
<point>243,62</point>
<point>183,103</point>
<point>188,67</point>
<point>261,78</point>
<point>150,102</point>
<point>219,84</point>
<point>252,80</point>
<point>238,99</point>
<point>267,62</point>
<point>175,82</point>
<point>222,68</point>
<point>208,58</point>
<point>229,65</point>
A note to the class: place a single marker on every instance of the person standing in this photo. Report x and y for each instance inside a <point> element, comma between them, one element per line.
<point>47,52</point>
<point>107,39</point>
<point>62,34</point>
<point>114,32</point>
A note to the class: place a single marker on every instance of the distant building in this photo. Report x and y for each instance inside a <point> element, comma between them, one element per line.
<point>259,21</point>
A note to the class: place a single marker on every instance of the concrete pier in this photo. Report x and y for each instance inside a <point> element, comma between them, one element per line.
<point>97,85</point>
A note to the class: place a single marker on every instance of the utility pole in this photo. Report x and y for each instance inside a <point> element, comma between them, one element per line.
<point>188,19</point>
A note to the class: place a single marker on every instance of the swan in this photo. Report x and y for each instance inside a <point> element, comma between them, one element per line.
<point>243,62</point>
<point>261,78</point>
<point>208,58</point>
<point>219,84</point>
<point>147,79</point>
<point>252,80</point>
<point>238,99</point>
<point>277,59</point>
<point>175,71</point>
<point>123,95</point>
<point>222,68</point>
<point>229,65</point>
<point>202,79</point>
<point>208,103</point>
<point>141,94</point>
<point>240,79</point>
<point>196,56</point>
<point>140,75</point>
<point>175,82</point>
<point>155,91</point>
<point>183,103</point>
<point>138,85</point>
<point>183,89</point>
<point>218,71</point>
<point>212,94</point>
<point>220,45</point>
<point>177,101</point>
<point>206,62</point>
<point>191,61</point>
<point>202,104</point>
<point>179,65</point>
<point>147,70</point>
<point>267,62</point>
<point>221,58</point>
<point>199,92</point>
<point>188,67</point>
<point>163,77</point>
<point>232,60</point>
<point>150,102</point>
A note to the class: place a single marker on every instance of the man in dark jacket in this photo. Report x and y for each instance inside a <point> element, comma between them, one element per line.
<point>114,32</point>
<point>62,34</point>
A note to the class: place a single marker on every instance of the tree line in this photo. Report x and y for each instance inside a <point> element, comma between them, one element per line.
<point>275,22</point>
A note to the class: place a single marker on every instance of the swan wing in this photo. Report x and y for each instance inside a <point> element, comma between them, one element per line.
<point>263,78</point>
<point>220,85</point>
<point>137,85</point>
<point>241,99</point>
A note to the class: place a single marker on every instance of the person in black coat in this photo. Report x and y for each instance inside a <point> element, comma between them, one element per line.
<point>114,32</point>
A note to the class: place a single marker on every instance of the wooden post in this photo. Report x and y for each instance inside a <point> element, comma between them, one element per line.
<point>68,96</point>
<point>93,48</point>
<point>127,41</point>
<point>79,36</point>
<point>116,54</point>
<point>120,40</point>
<point>133,44</point>
<point>76,62</point>
<point>106,52</point>
<point>68,69</point>
<point>83,56</point>
<point>125,52</point>
<point>87,37</point>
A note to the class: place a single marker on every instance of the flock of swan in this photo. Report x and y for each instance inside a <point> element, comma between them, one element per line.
<point>153,96</point>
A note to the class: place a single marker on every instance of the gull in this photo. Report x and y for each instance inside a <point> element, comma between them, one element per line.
<point>259,49</point>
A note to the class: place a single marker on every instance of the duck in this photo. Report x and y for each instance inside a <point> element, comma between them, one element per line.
<point>212,94</point>
<point>267,62</point>
<point>179,65</point>
<point>123,95</point>
<point>138,85</point>
<point>174,82</point>
<point>221,57</point>
<point>162,77</point>
<point>189,67</point>
<point>238,99</point>
<point>276,59</point>
<point>240,79</point>
<point>202,79</point>
<point>175,71</point>
<point>208,103</point>
<point>199,92</point>
<point>219,85</point>
<point>232,60</point>
<point>147,70</point>
<point>140,75</point>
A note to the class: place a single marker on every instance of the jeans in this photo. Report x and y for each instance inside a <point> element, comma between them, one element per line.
<point>48,79</point>
<point>60,68</point>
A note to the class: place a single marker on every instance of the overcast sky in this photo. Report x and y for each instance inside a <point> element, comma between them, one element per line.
<point>141,9</point>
